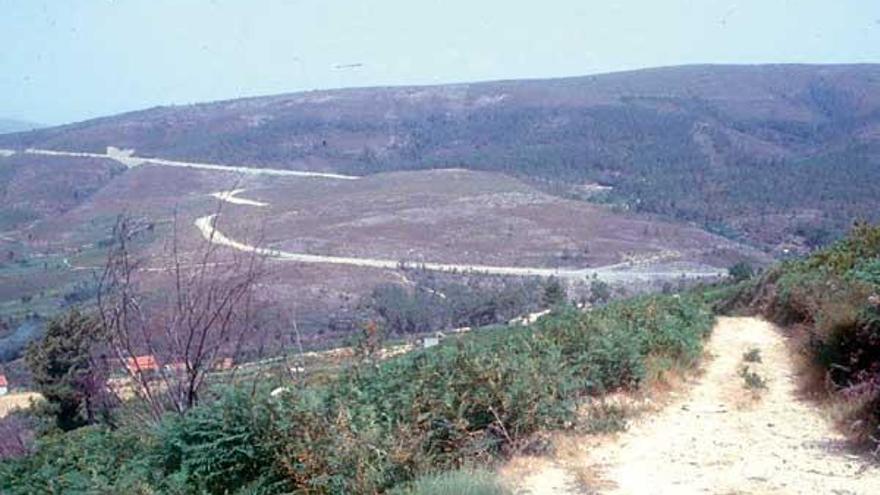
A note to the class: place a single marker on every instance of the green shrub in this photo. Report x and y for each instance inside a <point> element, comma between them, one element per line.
<point>752,380</point>
<point>219,446</point>
<point>829,300</point>
<point>753,355</point>
<point>380,425</point>
<point>867,271</point>
<point>741,271</point>
<point>88,460</point>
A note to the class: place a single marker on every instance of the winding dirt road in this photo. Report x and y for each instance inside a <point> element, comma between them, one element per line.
<point>622,272</point>
<point>720,438</point>
<point>610,273</point>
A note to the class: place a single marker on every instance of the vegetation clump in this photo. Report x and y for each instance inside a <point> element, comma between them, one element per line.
<point>830,302</point>
<point>381,425</point>
<point>62,368</point>
<point>753,355</point>
<point>751,379</point>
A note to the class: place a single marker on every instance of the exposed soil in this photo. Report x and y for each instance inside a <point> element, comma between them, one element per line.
<point>720,437</point>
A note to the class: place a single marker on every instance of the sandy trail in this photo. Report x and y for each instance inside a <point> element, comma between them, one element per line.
<point>719,439</point>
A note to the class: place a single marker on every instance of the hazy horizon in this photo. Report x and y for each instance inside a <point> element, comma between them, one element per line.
<point>71,61</point>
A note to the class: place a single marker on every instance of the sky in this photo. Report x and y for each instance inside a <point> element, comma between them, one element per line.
<point>69,60</point>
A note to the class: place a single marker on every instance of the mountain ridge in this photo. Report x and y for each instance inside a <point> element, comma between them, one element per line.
<point>732,147</point>
<point>8,125</point>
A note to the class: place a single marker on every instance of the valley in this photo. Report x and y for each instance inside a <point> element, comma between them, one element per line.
<point>440,248</point>
<point>643,180</point>
<point>338,237</point>
<point>744,151</point>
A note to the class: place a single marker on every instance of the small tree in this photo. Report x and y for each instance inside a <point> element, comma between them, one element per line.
<point>600,292</point>
<point>741,271</point>
<point>63,370</point>
<point>554,293</point>
<point>200,321</point>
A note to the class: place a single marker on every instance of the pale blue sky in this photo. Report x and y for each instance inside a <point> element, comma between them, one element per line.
<point>67,60</point>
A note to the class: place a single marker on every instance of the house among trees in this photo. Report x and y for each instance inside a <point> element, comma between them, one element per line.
<point>224,364</point>
<point>142,364</point>
<point>176,368</point>
<point>4,385</point>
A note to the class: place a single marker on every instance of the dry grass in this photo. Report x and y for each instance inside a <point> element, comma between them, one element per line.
<point>20,400</point>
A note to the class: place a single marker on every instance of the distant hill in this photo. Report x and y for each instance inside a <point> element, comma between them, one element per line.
<point>782,155</point>
<point>14,125</point>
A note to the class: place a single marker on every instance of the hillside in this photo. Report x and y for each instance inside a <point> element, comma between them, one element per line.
<point>782,155</point>
<point>15,125</point>
<point>456,218</point>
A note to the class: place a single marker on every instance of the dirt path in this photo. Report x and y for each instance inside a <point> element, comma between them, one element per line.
<point>719,438</point>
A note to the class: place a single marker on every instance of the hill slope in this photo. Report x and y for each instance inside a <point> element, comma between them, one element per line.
<point>778,153</point>
<point>15,125</point>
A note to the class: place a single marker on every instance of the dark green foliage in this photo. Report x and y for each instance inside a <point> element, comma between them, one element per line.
<point>600,292</point>
<point>404,312</point>
<point>867,271</point>
<point>432,305</point>
<point>741,271</point>
<point>216,448</point>
<point>60,364</point>
<point>379,425</point>
<point>85,461</point>
<point>554,293</point>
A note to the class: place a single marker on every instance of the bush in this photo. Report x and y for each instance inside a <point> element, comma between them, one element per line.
<point>380,425</point>
<point>827,300</point>
<point>741,271</point>
<point>433,304</point>
<point>218,447</point>
<point>88,460</point>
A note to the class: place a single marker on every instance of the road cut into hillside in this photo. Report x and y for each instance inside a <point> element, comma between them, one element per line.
<point>610,273</point>
<point>127,158</point>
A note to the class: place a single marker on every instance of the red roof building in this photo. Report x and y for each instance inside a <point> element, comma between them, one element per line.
<point>224,364</point>
<point>141,364</point>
